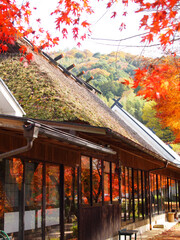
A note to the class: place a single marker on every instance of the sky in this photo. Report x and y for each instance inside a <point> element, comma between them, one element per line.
<point>102,27</point>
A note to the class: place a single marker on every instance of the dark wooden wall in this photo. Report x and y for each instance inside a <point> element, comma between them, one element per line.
<point>99,222</point>
<point>42,150</point>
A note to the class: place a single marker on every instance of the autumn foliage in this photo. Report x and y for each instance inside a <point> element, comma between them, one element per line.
<point>161,82</point>
<point>159,20</point>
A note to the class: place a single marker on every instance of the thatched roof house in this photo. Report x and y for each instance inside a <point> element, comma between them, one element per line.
<point>85,171</point>
<point>47,91</point>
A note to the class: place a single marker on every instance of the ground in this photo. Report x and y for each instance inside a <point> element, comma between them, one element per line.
<point>173,233</point>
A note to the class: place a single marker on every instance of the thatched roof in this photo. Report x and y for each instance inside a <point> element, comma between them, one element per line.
<point>45,91</point>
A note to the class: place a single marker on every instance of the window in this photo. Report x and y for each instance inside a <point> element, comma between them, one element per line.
<point>144,194</point>
<point>136,194</point>
<point>107,181</point>
<point>52,200</point>
<point>127,194</point>
<point>33,199</point>
<point>97,180</point>
<point>140,202</point>
<point>154,193</point>
<point>164,198</point>
<point>173,194</point>
<point>12,172</point>
<point>115,183</point>
<point>85,179</point>
<point>123,194</point>
<point>71,201</point>
<point>130,206</point>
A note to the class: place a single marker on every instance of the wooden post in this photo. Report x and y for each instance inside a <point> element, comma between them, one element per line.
<point>157,192</point>
<point>80,74</point>
<point>176,183</point>
<point>138,191</point>
<point>89,79</point>
<point>70,67</point>
<point>133,207</point>
<point>43,214</point>
<point>102,180</point>
<point>58,57</point>
<point>150,202</point>
<point>91,184</point>
<point>2,190</point>
<point>142,194</point>
<point>22,205</point>
<point>110,167</point>
<point>129,200</point>
<point>168,193</point>
<point>62,205</point>
<point>146,193</point>
<point>120,196</point>
<point>125,170</point>
<point>79,198</point>
<point>179,192</point>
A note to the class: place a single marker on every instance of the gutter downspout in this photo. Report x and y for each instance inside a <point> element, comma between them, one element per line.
<point>150,199</point>
<point>30,133</point>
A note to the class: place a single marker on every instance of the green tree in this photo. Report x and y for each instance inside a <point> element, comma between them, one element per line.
<point>133,104</point>
<point>153,123</point>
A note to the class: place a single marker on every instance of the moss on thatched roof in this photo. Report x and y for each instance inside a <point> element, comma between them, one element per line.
<point>45,92</point>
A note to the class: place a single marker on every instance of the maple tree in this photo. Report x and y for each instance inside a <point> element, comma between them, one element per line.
<point>161,82</point>
<point>159,18</point>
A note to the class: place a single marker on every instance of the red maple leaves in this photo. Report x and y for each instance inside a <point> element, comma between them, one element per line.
<point>160,19</point>
<point>161,82</point>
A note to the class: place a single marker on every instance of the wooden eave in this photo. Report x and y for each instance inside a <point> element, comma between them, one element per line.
<point>103,137</point>
<point>116,141</point>
<point>106,136</point>
<point>14,125</point>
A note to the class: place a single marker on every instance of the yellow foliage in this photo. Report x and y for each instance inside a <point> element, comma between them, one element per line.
<point>100,72</point>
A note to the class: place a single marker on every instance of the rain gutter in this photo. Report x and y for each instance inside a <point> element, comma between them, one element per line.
<point>30,133</point>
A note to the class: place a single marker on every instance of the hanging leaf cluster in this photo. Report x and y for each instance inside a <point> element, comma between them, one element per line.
<point>161,82</point>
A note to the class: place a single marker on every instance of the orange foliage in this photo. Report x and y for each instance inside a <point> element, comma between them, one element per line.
<point>161,82</point>
<point>16,170</point>
<point>15,20</point>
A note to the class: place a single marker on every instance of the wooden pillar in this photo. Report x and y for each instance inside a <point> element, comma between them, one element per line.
<point>138,192</point>
<point>133,195</point>
<point>146,193</point>
<point>110,166</point>
<point>43,201</point>
<point>62,205</point>
<point>120,195</point>
<point>179,193</point>
<point>125,191</point>
<point>91,183</point>
<point>150,202</point>
<point>22,205</point>
<point>79,193</point>
<point>129,194</point>
<point>176,184</point>
<point>157,192</point>
<point>168,194</point>
<point>142,194</point>
<point>2,191</point>
<point>102,180</point>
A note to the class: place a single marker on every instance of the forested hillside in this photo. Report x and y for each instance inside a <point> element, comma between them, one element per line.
<point>108,72</point>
